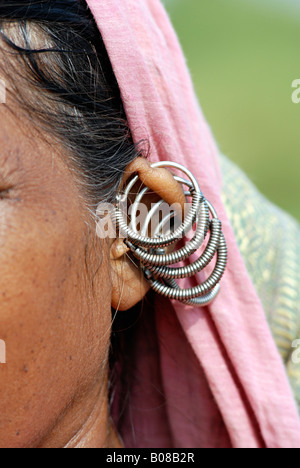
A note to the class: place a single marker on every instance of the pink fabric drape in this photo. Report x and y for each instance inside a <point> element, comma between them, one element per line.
<point>207,377</point>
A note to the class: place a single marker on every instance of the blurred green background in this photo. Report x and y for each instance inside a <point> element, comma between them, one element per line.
<point>244,56</point>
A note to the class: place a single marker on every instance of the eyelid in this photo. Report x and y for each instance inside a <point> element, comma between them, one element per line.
<point>8,179</point>
<point>6,183</point>
<point>5,187</point>
<point>4,193</point>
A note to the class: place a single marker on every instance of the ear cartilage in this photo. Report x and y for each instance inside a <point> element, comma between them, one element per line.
<point>151,251</point>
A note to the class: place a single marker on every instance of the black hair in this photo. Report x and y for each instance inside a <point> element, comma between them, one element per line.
<point>77,98</point>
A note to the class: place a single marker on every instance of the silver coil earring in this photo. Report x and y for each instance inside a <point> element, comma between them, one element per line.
<point>151,251</point>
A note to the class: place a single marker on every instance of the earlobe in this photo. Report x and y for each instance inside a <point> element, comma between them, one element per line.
<point>129,286</point>
<point>128,283</point>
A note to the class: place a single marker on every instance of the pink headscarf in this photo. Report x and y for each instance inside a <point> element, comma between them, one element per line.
<point>207,377</point>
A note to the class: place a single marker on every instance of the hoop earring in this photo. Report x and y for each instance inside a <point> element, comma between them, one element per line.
<point>151,252</point>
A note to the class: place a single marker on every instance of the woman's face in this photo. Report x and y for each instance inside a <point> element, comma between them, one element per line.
<point>58,282</point>
<point>55,312</point>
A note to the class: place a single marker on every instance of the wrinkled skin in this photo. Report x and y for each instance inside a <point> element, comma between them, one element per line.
<point>57,336</point>
<point>58,282</point>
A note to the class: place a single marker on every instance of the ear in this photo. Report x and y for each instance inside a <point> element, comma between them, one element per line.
<point>128,283</point>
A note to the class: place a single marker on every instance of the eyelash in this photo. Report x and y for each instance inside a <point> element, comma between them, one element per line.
<point>4,193</point>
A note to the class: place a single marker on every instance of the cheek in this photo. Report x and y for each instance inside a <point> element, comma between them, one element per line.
<point>44,321</point>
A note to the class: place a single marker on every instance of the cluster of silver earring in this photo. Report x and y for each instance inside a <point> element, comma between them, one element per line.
<point>151,252</point>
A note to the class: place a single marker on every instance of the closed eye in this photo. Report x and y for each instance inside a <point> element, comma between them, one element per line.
<point>6,184</point>
<point>4,192</point>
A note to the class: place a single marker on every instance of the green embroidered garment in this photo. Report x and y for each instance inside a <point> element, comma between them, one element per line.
<point>269,241</point>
